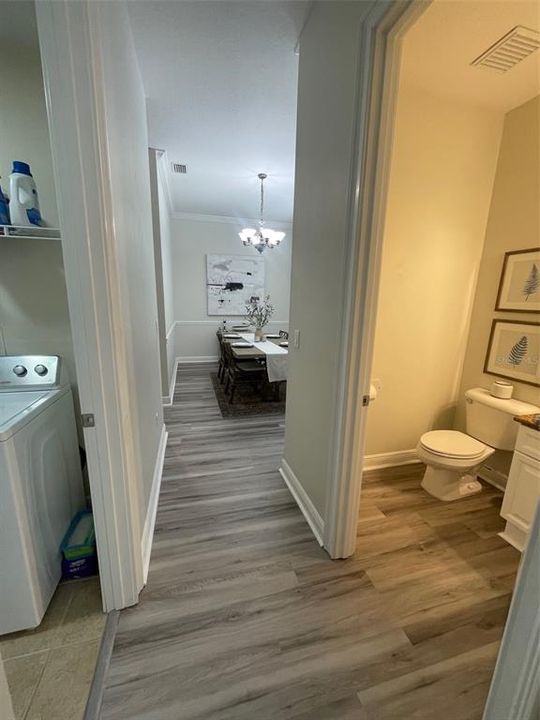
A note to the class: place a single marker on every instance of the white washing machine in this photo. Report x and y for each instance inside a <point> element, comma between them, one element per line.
<point>41,485</point>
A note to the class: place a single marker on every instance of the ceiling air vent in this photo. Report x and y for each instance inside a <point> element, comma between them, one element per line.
<point>510,50</point>
<point>179,168</point>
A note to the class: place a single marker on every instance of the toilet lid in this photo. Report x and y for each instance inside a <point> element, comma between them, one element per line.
<point>452,443</point>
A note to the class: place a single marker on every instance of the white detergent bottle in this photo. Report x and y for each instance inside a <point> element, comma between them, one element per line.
<point>24,202</point>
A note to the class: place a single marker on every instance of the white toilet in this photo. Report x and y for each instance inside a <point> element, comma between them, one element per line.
<point>453,457</point>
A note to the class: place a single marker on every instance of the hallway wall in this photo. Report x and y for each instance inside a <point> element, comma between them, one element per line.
<point>127,141</point>
<point>192,240</point>
<point>324,156</point>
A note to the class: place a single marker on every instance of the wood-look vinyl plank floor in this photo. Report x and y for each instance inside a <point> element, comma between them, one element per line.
<point>245,616</point>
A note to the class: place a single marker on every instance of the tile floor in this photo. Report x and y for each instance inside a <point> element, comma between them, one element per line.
<point>50,669</point>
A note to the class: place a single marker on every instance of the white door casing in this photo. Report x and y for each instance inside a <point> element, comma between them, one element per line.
<point>69,35</point>
<point>378,73</point>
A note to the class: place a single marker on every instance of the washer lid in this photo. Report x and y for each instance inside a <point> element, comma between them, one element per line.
<point>452,443</point>
<point>16,407</point>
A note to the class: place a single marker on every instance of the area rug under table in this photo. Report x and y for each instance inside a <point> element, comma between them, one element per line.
<point>247,401</point>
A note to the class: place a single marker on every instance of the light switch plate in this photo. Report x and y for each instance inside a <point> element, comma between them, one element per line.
<point>296,341</point>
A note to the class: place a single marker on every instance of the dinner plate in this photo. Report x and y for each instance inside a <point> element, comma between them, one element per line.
<point>273,336</point>
<point>231,336</point>
<point>240,327</point>
<point>242,345</point>
<point>284,344</point>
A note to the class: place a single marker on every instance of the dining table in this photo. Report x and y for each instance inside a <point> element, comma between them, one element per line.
<point>273,349</point>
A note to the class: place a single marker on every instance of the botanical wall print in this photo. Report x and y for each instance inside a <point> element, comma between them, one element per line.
<point>519,287</point>
<point>233,281</point>
<point>514,350</point>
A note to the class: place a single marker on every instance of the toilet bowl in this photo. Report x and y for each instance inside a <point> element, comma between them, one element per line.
<point>451,457</point>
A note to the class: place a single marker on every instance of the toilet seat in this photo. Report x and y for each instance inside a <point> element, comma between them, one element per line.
<point>452,444</point>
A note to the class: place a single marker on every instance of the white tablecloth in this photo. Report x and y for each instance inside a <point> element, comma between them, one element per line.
<point>277,357</point>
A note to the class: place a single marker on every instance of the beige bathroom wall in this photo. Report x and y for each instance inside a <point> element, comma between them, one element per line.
<point>513,224</point>
<point>441,179</point>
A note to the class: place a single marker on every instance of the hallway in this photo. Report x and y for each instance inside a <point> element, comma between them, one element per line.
<point>244,616</point>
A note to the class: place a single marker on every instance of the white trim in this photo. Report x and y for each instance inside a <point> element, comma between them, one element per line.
<point>378,74</point>
<point>190,359</point>
<point>309,511</point>
<point>164,170</point>
<point>230,220</point>
<point>514,686</point>
<point>168,401</point>
<point>391,459</point>
<point>218,319</point>
<point>70,44</point>
<point>151,512</point>
<point>171,329</point>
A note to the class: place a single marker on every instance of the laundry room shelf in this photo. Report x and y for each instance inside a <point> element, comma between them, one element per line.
<point>29,233</point>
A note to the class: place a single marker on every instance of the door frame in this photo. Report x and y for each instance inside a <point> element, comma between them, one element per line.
<point>380,41</point>
<point>69,37</point>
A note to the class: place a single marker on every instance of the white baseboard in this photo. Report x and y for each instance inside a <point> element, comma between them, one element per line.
<point>391,459</point>
<point>168,401</point>
<point>303,501</point>
<point>151,512</point>
<point>187,359</point>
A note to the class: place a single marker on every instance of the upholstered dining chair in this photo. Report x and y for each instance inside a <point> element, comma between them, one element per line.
<point>222,368</point>
<point>242,371</point>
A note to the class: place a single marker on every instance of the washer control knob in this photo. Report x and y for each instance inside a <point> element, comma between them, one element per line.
<point>41,370</point>
<point>20,370</point>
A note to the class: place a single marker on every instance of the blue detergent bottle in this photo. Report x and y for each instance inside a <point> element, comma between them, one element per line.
<point>4,209</point>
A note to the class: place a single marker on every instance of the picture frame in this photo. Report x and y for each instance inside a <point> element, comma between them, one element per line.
<point>513,351</point>
<point>519,285</point>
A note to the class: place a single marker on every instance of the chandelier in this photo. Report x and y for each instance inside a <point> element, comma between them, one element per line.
<point>262,237</point>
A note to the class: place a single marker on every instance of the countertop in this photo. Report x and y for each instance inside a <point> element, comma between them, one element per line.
<point>530,421</point>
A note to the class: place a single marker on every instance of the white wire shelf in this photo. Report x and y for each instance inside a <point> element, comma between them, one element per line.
<point>29,232</point>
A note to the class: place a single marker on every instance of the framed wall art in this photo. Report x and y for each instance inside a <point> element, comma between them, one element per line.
<point>519,286</point>
<point>513,351</point>
<point>233,281</point>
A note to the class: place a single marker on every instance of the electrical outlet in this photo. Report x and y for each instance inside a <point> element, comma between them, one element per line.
<point>296,341</point>
<point>377,384</point>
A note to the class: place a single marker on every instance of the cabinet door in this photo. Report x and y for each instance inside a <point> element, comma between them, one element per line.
<point>522,492</point>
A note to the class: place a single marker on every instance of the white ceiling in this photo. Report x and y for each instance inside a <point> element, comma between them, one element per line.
<point>220,78</point>
<point>449,35</point>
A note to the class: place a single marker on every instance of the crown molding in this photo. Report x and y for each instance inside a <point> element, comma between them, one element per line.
<point>229,220</point>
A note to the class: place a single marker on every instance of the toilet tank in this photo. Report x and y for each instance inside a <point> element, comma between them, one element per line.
<point>491,419</point>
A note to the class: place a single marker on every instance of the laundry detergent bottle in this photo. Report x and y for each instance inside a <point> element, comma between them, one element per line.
<point>24,202</point>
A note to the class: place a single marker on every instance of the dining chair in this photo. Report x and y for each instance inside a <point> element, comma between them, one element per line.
<point>242,371</point>
<point>283,334</point>
<point>221,363</point>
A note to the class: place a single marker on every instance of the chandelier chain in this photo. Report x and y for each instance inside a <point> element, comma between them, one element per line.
<point>261,222</point>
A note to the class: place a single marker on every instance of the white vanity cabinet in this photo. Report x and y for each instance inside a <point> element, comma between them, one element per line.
<point>523,489</point>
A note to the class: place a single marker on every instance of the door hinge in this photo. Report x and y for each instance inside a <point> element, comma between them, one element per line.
<point>88,420</point>
<point>365,400</point>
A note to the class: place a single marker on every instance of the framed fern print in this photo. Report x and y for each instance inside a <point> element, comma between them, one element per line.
<point>514,351</point>
<point>519,287</point>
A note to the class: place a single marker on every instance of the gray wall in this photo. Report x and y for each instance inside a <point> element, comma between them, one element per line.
<point>327,83</point>
<point>125,109</point>
<point>161,222</point>
<point>192,240</point>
